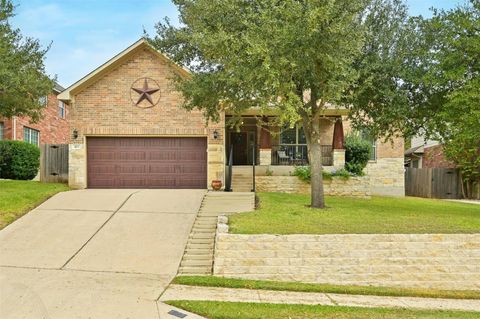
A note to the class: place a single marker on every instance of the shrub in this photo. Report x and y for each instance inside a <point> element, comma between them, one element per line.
<point>357,154</point>
<point>304,173</point>
<point>18,160</point>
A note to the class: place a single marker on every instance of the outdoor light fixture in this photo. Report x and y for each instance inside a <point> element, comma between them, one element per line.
<point>215,135</point>
<point>75,134</point>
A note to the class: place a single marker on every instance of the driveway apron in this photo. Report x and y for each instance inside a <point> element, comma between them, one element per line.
<point>95,253</point>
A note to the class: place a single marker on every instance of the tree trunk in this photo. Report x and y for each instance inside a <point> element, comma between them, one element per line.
<point>312,134</point>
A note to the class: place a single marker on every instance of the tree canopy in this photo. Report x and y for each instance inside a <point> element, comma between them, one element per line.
<point>23,79</point>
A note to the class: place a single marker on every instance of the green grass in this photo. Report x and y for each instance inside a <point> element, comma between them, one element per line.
<point>18,197</point>
<point>212,281</point>
<point>237,310</point>
<point>289,214</point>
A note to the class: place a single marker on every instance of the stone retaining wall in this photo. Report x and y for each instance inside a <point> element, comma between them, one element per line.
<point>354,186</point>
<point>409,260</point>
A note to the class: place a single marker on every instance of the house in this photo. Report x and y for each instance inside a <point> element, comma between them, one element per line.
<point>52,128</point>
<point>425,153</point>
<point>128,131</point>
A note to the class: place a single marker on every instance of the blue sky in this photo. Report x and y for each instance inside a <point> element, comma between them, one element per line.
<point>86,33</point>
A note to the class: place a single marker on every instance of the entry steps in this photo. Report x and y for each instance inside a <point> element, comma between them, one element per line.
<point>242,178</point>
<point>198,256</point>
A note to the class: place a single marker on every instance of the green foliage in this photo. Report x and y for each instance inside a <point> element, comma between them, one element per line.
<point>421,75</point>
<point>454,39</point>
<point>357,153</point>
<point>268,172</point>
<point>18,160</point>
<point>22,72</point>
<point>305,174</point>
<point>302,172</point>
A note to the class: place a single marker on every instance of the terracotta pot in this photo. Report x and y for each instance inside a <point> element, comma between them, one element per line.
<point>216,184</point>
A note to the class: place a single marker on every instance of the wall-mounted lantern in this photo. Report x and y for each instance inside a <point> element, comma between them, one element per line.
<point>75,134</point>
<point>215,135</point>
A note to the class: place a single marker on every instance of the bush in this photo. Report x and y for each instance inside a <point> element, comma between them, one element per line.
<point>305,174</point>
<point>357,154</point>
<point>18,160</point>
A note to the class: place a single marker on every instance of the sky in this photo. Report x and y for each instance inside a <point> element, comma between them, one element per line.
<point>84,34</point>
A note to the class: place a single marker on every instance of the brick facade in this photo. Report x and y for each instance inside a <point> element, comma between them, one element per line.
<point>105,108</point>
<point>433,157</point>
<point>53,129</point>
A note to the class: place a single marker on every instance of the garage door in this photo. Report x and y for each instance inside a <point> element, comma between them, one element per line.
<point>147,162</point>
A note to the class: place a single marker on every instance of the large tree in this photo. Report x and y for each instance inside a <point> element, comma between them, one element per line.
<point>453,42</point>
<point>297,57</point>
<point>22,73</point>
<point>421,76</point>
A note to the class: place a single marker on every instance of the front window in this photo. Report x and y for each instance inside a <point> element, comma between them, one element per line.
<point>294,135</point>
<point>61,109</point>
<point>373,152</point>
<point>31,136</point>
<point>43,100</point>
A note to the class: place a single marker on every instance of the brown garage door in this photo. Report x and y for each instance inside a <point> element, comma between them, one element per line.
<point>147,162</point>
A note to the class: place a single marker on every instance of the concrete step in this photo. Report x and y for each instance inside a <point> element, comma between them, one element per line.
<point>195,263</point>
<point>197,240</point>
<point>199,257</point>
<point>195,270</point>
<point>210,230</point>
<point>199,246</point>
<point>210,235</point>
<point>198,252</point>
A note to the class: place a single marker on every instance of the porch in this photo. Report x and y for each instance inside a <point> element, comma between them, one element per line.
<point>257,141</point>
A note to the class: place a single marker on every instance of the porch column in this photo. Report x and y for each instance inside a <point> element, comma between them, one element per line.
<point>265,143</point>
<point>338,148</point>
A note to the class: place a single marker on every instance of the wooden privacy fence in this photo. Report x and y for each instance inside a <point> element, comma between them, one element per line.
<point>54,163</point>
<point>433,183</point>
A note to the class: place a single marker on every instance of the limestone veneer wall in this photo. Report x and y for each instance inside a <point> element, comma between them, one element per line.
<point>354,186</point>
<point>408,260</point>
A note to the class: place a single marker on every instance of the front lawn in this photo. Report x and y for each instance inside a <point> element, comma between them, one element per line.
<point>238,310</point>
<point>281,213</point>
<point>18,197</point>
<point>214,281</point>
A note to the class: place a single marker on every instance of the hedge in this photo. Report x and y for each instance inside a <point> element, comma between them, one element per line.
<point>18,160</point>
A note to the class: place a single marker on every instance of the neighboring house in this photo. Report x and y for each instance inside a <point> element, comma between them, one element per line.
<point>425,153</point>
<point>128,131</point>
<point>52,128</point>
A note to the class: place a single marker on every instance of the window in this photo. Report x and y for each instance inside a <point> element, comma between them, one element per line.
<point>31,136</point>
<point>1,131</point>
<point>43,100</point>
<point>61,109</point>
<point>294,135</point>
<point>367,136</point>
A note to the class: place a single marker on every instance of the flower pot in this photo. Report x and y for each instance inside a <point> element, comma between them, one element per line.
<point>216,184</point>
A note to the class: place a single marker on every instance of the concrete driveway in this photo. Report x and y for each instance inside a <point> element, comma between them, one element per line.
<point>95,253</point>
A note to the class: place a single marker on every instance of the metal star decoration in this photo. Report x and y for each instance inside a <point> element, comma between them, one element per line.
<point>145,93</point>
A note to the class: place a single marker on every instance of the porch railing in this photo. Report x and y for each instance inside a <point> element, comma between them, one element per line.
<point>297,154</point>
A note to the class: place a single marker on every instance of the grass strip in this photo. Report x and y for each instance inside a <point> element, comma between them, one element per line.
<point>213,281</point>
<point>238,310</point>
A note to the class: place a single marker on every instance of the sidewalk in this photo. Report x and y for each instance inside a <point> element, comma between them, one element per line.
<point>181,292</point>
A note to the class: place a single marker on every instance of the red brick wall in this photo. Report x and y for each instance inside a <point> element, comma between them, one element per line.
<point>53,129</point>
<point>434,158</point>
<point>106,107</point>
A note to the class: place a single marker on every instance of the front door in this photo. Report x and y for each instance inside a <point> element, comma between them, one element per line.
<point>240,149</point>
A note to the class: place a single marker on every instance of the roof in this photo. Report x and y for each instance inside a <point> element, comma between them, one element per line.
<point>415,150</point>
<point>108,66</point>
<point>57,88</point>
